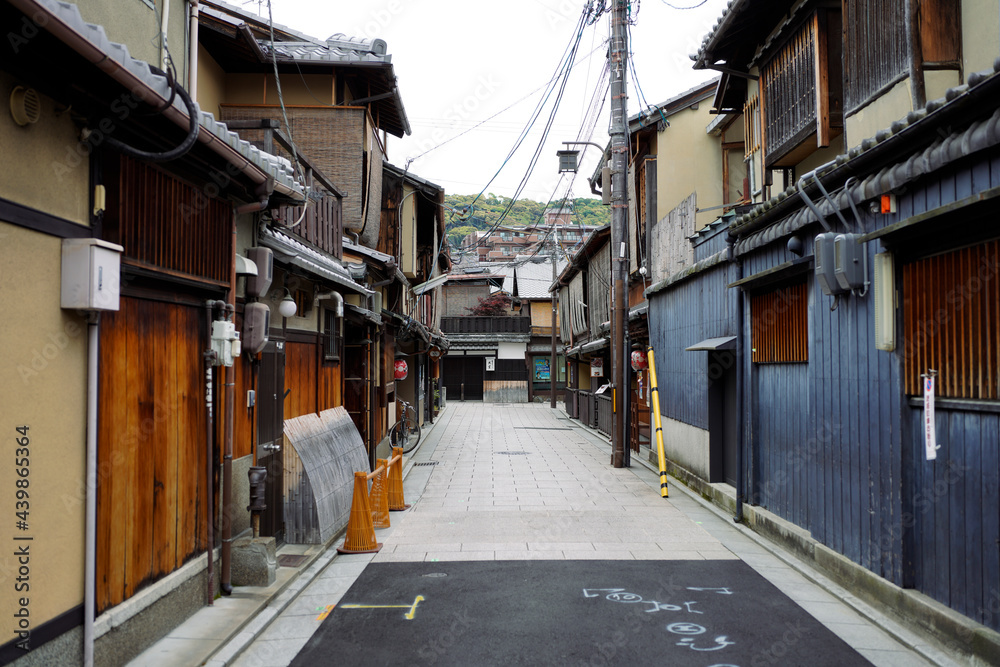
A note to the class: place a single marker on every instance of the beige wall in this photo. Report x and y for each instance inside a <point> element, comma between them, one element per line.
<point>980,35</point>
<point>408,233</point>
<point>53,174</point>
<point>308,91</point>
<point>689,160</point>
<point>44,370</point>
<point>211,84</point>
<point>878,115</point>
<point>137,25</point>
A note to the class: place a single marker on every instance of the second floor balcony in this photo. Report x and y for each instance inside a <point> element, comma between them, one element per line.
<point>485,325</point>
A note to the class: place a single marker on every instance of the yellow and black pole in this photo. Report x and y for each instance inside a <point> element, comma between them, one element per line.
<point>662,459</point>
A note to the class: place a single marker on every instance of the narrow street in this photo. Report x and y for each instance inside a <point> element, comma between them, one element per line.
<point>524,546</point>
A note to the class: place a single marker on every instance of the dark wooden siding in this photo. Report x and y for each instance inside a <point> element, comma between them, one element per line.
<point>679,317</point>
<point>165,224</point>
<point>151,505</point>
<point>312,387</point>
<point>954,513</point>
<point>876,50</point>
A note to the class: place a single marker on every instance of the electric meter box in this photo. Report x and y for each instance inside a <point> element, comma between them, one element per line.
<point>225,342</point>
<point>91,274</point>
<point>256,321</point>
<point>258,285</point>
<point>823,250</point>
<point>850,268</point>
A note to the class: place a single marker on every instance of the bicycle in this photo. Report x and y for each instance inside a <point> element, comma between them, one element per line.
<point>406,432</point>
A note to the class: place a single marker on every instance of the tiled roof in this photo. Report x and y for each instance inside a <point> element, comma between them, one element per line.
<point>534,279</point>
<point>69,16</point>
<point>313,261</point>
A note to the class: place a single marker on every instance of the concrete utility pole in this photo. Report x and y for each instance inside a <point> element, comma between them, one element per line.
<point>619,221</point>
<point>555,309</point>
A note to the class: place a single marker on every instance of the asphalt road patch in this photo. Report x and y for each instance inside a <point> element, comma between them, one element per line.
<point>692,613</point>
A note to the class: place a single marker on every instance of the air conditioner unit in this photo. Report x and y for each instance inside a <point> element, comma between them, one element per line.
<point>850,267</point>
<point>823,251</point>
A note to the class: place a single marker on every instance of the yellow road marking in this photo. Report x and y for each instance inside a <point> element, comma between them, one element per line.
<point>408,616</point>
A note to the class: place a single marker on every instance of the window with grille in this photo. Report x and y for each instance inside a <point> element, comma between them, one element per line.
<point>802,84</point>
<point>951,322</point>
<point>779,321</point>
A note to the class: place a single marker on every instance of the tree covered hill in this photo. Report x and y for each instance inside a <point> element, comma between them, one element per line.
<point>488,209</point>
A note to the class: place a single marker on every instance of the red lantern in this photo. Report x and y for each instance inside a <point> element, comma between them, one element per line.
<point>639,361</point>
<point>401,369</point>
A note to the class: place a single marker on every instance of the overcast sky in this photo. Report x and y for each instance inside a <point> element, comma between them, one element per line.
<point>459,62</point>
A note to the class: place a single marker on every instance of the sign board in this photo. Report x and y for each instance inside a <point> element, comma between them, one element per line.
<point>491,363</point>
<point>542,369</point>
<point>597,368</point>
<point>930,431</point>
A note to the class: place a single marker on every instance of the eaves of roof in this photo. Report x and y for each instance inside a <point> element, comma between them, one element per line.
<point>577,263</point>
<point>311,261</point>
<point>912,147</point>
<point>674,105</point>
<point>734,37</point>
<point>64,21</point>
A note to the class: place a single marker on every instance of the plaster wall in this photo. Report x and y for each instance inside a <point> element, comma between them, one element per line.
<point>689,160</point>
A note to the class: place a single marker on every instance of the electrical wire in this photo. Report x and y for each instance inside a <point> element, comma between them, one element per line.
<point>284,115</point>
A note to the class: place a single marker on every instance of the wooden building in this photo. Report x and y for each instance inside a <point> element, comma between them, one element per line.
<point>799,339</point>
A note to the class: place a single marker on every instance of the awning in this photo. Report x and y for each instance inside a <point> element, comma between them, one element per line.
<point>316,263</point>
<point>365,313</point>
<point>710,344</point>
<point>594,346</point>
<point>430,284</point>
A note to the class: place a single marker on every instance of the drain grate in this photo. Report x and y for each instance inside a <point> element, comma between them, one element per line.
<point>543,428</point>
<point>425,463</point>
<point>512,453</point>
<point>290,560</point>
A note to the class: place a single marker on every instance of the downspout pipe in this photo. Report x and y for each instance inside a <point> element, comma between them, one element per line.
<point>741,413</point>
<point>210,359</point>
<point>227,459</point>
<point>90,556</point>
<point>193,10</point>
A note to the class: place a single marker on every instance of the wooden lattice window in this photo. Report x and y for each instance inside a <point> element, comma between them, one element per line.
<point>876,52</point>
<point>802,91</point>
<point>951,322</point>
<point>779,321</point>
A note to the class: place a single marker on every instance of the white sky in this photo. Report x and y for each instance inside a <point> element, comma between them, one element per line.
<point>458,62</point>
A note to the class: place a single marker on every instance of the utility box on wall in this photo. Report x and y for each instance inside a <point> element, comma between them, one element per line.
<point>91,274</point>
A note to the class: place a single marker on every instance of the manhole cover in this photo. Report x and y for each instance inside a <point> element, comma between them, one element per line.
<point>512,453</point>
<point>290,560</point>
<point>425,463</point>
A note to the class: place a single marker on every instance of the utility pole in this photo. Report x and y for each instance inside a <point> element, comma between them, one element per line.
<point>555,309</point>
<point>619,220</point>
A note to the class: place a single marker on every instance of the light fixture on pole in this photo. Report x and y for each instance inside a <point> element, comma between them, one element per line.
<point>287,307</point>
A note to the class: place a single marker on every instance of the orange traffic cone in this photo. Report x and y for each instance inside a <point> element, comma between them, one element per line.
<point>360,537</point>
<point>396,501</point>
<point>379,496</point>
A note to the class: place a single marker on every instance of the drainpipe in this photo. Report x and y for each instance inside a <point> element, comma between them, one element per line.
<point>740,374</point>
<point>192,81</point>
<point>210,307</point>
<point>90,557</point>
<point>164,27</point>
<point>227,460</point>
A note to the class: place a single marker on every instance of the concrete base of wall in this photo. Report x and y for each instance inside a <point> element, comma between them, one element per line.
<point>960,634</point>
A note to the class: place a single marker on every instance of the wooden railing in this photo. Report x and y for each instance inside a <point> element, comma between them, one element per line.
<point>605,414</point>
<point>485,325</point>
<point>571,399</point>
<point>585,407</point>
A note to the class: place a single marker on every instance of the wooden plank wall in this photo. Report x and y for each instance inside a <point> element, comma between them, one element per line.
<point>151,507</point>
<point>679,317</point>
<point>954,510</point>
<point>311,385</point>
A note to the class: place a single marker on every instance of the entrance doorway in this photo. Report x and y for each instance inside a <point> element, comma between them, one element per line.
<point>270,436</point>
<point>723,416</point>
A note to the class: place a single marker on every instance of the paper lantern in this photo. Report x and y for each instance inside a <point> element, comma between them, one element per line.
<point>639,360</point>
<point>401,369</point>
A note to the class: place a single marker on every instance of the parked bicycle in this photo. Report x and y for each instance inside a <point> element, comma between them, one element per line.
<point>406,432</point>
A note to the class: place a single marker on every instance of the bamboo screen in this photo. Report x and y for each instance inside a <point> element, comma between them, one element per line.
<point>951,322</point>
<point>779,323</point>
